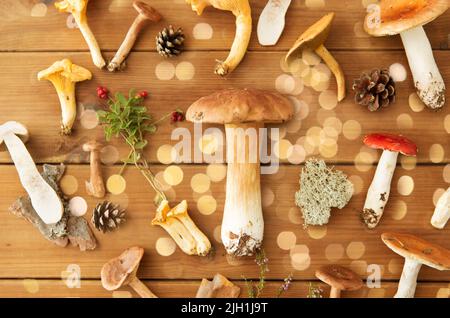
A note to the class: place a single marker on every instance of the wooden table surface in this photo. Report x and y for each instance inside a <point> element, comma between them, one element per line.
<point>34,35</point>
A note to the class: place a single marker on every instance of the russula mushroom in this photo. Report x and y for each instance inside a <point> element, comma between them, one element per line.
<point>121,271</point>
<point>313,39</point>
<point>417,252</point>
<point>145,14</point>
<point>78,10</point>
<point>378,193</point>
<point>242,11</point>
<point>339,278</point>
<point>407,18</point>
<point>95,185</point>
<point>44,199</point>
<point>219,287</point>
<point>244,112</point>
<point>64,75</point>
<point>442,211</point>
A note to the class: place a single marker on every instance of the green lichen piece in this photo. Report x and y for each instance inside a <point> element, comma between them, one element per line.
<point>321,188</point>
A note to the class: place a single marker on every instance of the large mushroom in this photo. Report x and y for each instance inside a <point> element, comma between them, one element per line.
<point>339,279</point>
<point>378,193</point>
<point>243,112</point>
<point>313,39</point>
<point>121,271</point>
<point>78,10</point>
<point>417,252</point>
<point>407,18</point>
<point>441,213</point>
<point>44,199</point>
<point>64,75</point>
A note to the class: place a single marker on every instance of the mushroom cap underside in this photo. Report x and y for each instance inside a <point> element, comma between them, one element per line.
<point>66,68</point>
<point>115,273</point>
<point>16,128</point>
<point>233,106</point>
<point>313,37</point>
<point>417,249</point>
<point>339,277</point>
<point>146,10</point>
<point>92,145</point>
<point>395,143</point>
<point>395,16</point>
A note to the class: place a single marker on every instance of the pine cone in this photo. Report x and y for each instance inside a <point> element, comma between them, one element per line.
<point>375,89</point>
<point>170,42</point>
<point>107,216</point>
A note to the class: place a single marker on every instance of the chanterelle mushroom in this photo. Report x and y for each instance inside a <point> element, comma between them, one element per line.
<point>244,112</point>
<point>121,271</point>
<point>78,10</point>
<point>339,278</point>
<point>442,212</point>
<point>313,39</point>
<point>417,252</point>
<point>378,193</point>
<point>44,199</point>
<point>64,75</point>
<point>406,17</point>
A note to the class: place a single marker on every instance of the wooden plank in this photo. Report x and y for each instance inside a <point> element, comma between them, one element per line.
<point>187,289</point>
<point>36,105</point>
<point>50,32</point>
<point>346,241</point>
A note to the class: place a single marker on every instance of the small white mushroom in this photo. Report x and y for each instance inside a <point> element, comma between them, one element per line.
<point>44,199</point>
<point>442,212</point>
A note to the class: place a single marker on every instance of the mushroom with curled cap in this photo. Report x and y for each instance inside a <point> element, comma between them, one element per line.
<point>121,271</point>
<point>417,252</point>
<point>64,75</point>
<point>95,185</point>
<point>44,199</point>
<point>243,112</point>
<point>406,17</point>
<point>339,278</point>
<point>378,193</point>
<point>313,39</point>
<point>441,213</point>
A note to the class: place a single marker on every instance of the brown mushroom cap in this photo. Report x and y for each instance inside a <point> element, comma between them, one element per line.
<point>92,145</point>
<point>339,277</point>
<point>119,270</point>
<point>400,15</point>
<point>415,248</point>
<point>16,128</point>
<point>313,37</point>
<point>241,106</point>
<point>146,10</point>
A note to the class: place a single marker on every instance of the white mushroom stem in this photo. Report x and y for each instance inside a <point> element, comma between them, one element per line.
<point>68,109</point>
<point>441,214</point>
<point>378,193</point>
<point>95,185</point>
<point>243,224</point>
<point>408,280</point>
<point>203,246</point>
<point>92,43</point>
<point>427,78</point>
<point>44,199</point>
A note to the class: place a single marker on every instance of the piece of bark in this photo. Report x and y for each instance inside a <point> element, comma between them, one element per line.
<point>219,287</point>
<point>80,234</point>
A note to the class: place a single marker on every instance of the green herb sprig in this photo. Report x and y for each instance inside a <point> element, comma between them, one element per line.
<point>255,290</point>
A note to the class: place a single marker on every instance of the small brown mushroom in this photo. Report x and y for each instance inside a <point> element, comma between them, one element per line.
<point>339,278</point>
<point>121,271</point>
<point>95,185</point>
<point>145,14</point>
<point>219,287</point>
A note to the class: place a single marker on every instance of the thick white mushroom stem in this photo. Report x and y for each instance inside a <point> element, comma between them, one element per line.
<point>378,193</point>
<point>243,224</point>
<point>408,280</point>
<point>427,78</point>
<point>92,43</point>
<point>44,199</point>
<point>441,214</point>
<point>68,108</point>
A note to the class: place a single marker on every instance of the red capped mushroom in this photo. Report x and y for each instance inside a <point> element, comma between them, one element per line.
<point>378,193</point>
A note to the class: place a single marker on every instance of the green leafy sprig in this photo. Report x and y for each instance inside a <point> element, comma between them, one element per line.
<point>255,290</point>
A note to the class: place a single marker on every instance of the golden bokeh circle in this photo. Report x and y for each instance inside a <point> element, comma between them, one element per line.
<point>206,205</point>
<point>446,173</point>
<point>216,172</point>
<point>165,246</point>
<point>165,71</point>
<point>200,183</point>
<point>357,182</point>
<point>437,153</point>
<point>295,215</point>
<point>185,71</point>
<point>166,154</point>
<point>355,250</point>
<point>300,258</point>
<point>31,285</point>
<point>437,195</point>
<point>109,155</point>
<point>68,184</point>
<point>408,162</point>
<point>317,232</point>
<point>405,121</point>
<point>267,196</point>
<point>328,99</point>
<point>398,209</point>
<point>447,124</point>
<point>286,240</point>
<point>116,184</point>
<point>173,175</point>
<point>334,252</point>
<point>415,103</point>
<point>395,266</point>
<point>405,185</point>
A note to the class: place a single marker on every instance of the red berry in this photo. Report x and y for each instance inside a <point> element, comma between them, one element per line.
<point>143,94</point>
<point>102,92</point>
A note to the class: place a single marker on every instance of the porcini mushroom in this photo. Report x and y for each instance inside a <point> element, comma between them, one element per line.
<point>78,10</point>
<point>121,271</point>
<point>442,211</point>
<point>339,278</point>
<point>44,199</point>
<point>95,185</point>
<point>64,75</point>
<point>313,39</point>
<point>378,193</point>
<point>242,11</point>
<point>417,252</point>
<point>407,18</point>
<point>244,112</point>
<point>145,14</point>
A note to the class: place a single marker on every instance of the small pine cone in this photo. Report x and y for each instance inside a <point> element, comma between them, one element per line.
<point>107,216</point>
<point>375,89</point>
<point>170,42</point>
